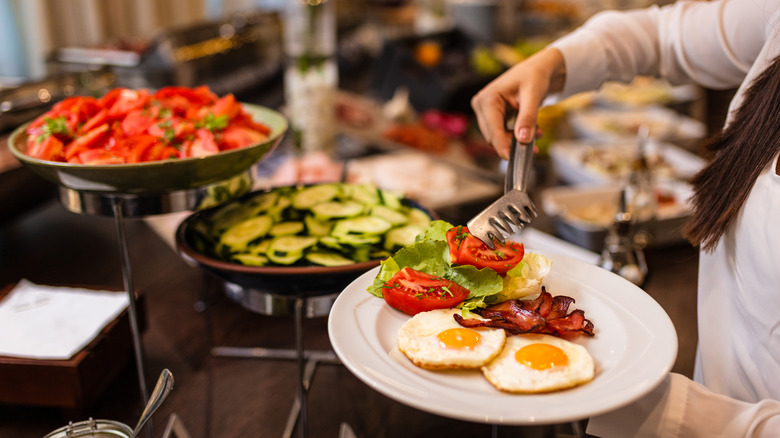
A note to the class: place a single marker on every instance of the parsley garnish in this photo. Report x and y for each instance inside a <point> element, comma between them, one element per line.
<point>51,126</point>
<point>213,123</point>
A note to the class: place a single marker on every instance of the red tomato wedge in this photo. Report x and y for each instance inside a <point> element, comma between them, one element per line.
<point>412,292</point>
<point>134,126</point>
<point>49,148</point>
<point>89,140</point>
<point>465,249</point>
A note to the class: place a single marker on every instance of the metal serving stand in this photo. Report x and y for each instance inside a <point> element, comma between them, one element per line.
<point>304,304</point>
<point>139,205</point>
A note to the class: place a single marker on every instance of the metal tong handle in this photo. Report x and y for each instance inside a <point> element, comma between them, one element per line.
<point>519,166</point>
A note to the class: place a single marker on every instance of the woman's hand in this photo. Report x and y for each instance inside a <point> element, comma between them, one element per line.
<point>522,89</point>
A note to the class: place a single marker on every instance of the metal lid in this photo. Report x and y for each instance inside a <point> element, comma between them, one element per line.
<point>92,428</point>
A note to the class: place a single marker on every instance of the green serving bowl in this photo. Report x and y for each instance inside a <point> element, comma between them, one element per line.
<point>155,176</point>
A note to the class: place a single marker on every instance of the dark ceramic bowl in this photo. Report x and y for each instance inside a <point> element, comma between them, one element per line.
<point>277,280</point>
<point>155,176</point>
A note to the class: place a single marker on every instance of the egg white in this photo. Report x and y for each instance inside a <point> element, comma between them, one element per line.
<point>507,374</point>
<point>418,341</point>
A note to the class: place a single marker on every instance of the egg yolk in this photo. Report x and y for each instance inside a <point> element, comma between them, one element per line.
<point>460,338</point>
<point>541,356</point>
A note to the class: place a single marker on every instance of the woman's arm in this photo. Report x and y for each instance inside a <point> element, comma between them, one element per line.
<point>682,408</point>
<point>710,43</point>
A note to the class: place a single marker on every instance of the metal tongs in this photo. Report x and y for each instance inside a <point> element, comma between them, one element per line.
<point>514,208</point>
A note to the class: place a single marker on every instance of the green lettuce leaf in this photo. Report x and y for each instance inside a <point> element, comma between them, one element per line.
<point>430,254</point>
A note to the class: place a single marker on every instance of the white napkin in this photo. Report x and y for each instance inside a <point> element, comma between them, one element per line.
<point>46,322</point>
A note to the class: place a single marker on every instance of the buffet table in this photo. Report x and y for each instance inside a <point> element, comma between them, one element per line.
<point>229,397</point>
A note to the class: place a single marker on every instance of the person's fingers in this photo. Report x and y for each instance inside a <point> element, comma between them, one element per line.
<point>530,98</point>
<point>490,109</point>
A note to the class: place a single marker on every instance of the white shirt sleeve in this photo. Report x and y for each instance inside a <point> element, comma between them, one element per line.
<point>709,43</point>
<point>680,407</point>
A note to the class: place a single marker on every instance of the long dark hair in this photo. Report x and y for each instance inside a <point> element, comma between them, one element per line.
<point>738,155</point>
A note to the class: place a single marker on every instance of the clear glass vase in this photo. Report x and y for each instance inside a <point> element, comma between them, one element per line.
<point>311,74</point>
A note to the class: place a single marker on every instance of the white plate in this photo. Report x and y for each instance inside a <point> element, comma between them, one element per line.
<point>634,347</point>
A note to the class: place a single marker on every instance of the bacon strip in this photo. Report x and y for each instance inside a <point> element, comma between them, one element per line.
<point>546,314</point>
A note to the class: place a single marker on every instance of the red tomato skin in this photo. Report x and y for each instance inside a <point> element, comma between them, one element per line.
<point>127,101</point>
<point>465,249</point>
<point>50,148</point>
<point>170,114</point>
<point>137,147</point>
<point>204,144</point>
<point>99,157</point>
<point>236,137</point>
<point>227,106</point>
<point>96,120</point>
<point>136,122</point>
<point>412,292</point>
<point>89,140</point>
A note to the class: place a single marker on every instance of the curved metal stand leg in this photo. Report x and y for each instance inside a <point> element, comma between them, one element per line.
<point>302,387</point>
<point>127,277</point>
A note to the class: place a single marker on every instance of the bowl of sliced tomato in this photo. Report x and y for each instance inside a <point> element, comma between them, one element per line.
<point>141,141</point>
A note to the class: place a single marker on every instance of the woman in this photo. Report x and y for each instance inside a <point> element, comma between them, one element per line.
<point>718,44</point>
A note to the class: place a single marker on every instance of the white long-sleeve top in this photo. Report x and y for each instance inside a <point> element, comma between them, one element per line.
<point>718,44</point>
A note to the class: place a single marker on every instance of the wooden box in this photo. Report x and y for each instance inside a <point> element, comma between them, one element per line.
<point>74,383</point>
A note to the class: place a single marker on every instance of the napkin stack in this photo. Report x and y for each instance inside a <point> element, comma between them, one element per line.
<point>46,322</point>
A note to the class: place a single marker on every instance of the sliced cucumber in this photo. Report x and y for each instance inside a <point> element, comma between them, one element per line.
<point>361,225</point>
<point>238,237</point>
<point>328,258</point>
<point>286,228</point>
<point>326,224</point>
<point>263,201</point>
<point>402,236</point>
<point>279,209</point>
<point>286,250</point>
<point>366,194</point>
<point>316,227</point>
<point>260,248</point>
<point>418,217</point>
<point>359,239</point>
<point>337,210</point>
<point>284,258</point>
<point>251,259</point>
<point>395,217</point>
<point>291,244</point>
<point>391,200</point>
<point>229,215</point>
<point>331,242</point>
<point>308,197</point>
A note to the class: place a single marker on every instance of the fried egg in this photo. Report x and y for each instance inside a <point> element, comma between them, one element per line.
<point>533,363</point>
<point>435,341</point>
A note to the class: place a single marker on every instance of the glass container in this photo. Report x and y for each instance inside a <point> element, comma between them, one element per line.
<point>311,73</point>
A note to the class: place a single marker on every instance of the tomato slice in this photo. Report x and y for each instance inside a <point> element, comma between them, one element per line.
<point>126,101</point>
<point>87,141</point>
<point>137,122</point>
<point>138,147</point>
<point>236,137</point>
<point>96,120</point>
<point>227,106</point>
<point>465,249</point>
<point>50,148</point>
<point>412,292</point>
<point>99,156</point>
<point>203,145</point>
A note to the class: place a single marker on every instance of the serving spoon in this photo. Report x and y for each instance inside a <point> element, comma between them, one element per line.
<point>161,390</point>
